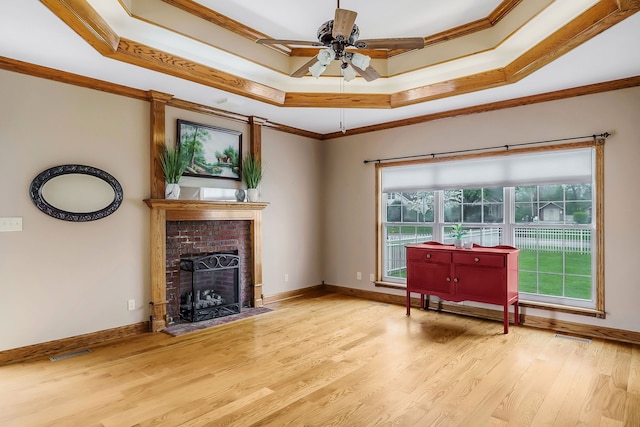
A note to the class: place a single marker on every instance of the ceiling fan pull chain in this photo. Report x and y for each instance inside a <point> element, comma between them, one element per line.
<point>343,127</point>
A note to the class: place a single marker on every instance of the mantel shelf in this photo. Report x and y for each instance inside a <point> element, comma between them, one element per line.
<point>173,205</point>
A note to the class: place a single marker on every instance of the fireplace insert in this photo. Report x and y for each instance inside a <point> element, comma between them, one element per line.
<point>209,286</point>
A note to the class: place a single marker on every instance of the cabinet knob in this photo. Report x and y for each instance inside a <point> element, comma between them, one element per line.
<point>428,256</point>
<point>476,259</point>
<point>455,280</point>
<point>448,279</point>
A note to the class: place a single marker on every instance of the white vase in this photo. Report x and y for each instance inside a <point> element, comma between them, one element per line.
<point>458,243</point>
<point>252,194</point>
<point>171,191</point>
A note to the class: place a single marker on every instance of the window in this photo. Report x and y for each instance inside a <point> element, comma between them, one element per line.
<point>541,202</point>
<point>554,234</point>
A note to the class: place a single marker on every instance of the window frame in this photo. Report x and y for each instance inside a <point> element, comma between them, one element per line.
<point>597,222</point>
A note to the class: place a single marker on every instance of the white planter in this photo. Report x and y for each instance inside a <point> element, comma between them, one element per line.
<point>252,195</point>
<point>171,191</point>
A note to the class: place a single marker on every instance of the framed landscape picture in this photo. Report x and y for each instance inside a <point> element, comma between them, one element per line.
<point>212,152</point>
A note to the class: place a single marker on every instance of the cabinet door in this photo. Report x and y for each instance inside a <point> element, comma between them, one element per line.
<point>428,277</point>
<point>482,284</point>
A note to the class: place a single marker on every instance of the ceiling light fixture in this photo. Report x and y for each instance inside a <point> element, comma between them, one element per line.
<point>335,37</point>
<point>325,56</point>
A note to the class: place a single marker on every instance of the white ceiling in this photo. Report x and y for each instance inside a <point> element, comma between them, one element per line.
<point>30,32</point>
<point>299,19</point>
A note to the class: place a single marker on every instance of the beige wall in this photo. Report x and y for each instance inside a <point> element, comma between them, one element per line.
<point>60,279</point>
<point>291,185</point>
<point>292,234</point>
<point>349,185</point>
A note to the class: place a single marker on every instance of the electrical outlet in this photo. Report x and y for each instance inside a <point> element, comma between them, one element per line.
<point>11,224</point>
<point>372,277</point>
<point>131,304</point>
<point>286,277</point>
<point>359,275</point>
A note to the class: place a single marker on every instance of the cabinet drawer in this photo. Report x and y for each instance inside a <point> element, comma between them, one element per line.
<point>484,260</point>
<point>429,256</point>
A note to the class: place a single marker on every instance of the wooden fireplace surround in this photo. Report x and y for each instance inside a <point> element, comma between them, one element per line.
<point>163,210</point>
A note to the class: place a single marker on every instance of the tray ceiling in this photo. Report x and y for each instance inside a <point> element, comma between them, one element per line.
<point>204,51</point>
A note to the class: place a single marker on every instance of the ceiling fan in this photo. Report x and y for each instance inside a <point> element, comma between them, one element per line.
<point>335,36</point>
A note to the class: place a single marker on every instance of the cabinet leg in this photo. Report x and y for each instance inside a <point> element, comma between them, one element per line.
<point>516,314</point>
<point>408,303</point>
<point>506,318</point>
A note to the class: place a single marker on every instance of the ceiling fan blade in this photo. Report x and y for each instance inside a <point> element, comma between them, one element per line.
<point>343,23</point>
<point>288,42</point>
<point>304,70</point>
<point>397,43</point>
<point>370,74</point>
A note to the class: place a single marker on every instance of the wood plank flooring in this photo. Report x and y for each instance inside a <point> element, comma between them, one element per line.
<point>333,360</point>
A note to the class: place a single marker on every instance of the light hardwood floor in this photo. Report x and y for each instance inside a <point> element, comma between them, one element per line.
<point>333,360</point>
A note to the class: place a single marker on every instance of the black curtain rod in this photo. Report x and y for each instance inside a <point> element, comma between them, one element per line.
<point>471,150</point>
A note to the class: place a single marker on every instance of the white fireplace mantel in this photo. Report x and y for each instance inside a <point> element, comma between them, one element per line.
<point>163,210</point>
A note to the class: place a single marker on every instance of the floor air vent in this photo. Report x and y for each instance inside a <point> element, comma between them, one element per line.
<point>69,355</point>
<point>567,337</point>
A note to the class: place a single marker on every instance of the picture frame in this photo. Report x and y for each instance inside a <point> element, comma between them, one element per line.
<point>212,152</point>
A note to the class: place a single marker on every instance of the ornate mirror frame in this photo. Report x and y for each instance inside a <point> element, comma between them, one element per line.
<point>38,183</point>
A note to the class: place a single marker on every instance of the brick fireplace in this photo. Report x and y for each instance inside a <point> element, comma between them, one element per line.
<point>212,225</point>
<point>190,238</point>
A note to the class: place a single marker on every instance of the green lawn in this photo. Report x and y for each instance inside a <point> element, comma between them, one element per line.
<point>549,274</point>
<point>544,275</point>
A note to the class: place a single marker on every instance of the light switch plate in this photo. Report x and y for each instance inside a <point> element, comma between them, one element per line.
<point>11,224</point>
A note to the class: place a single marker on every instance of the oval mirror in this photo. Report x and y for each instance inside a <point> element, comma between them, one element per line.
<point>76,193</point>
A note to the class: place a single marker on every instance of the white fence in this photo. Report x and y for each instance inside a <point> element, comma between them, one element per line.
<point>526,238</point>
<point>576,240</point>
<point>396,260</point>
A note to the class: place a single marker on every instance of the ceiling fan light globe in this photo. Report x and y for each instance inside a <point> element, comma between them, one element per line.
<point>361,61</point>
<point>348,73</point>
<point>317,69</point>
<point>325,56</point>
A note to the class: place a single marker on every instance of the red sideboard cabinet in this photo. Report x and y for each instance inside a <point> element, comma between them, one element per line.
<point>482,274</point>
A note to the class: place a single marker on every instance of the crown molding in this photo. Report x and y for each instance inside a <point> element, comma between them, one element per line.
<point>79,15</point>
<point>91,83</point>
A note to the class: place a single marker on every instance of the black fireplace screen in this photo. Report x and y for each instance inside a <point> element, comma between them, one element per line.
<point>209,286</point>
